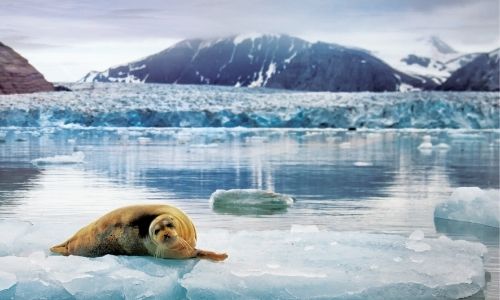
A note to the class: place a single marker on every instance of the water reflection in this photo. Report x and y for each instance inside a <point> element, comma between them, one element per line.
<point>14,179</point>
<point>460,230</point>
<point>239,210</point>
<point>331,182</point>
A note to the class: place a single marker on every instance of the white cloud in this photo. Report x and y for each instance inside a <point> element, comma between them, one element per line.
<point>71,63</point>
<point>64,39</point>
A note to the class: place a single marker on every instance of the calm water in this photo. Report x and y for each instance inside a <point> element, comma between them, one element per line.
<point>368,181</point>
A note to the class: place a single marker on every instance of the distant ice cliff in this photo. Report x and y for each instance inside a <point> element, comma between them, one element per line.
<point>152,105</point>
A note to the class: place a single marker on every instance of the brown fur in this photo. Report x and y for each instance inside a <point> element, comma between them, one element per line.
<point>157,230</point>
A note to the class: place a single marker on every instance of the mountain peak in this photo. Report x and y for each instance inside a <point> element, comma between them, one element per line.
<point>254,35</point>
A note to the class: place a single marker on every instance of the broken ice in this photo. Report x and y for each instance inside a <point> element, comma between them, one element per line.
<point>304,262</point>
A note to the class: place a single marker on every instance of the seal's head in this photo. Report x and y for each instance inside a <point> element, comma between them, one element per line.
<point>163,230</point>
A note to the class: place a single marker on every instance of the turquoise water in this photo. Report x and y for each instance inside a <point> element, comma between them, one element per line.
<point>369,181</point>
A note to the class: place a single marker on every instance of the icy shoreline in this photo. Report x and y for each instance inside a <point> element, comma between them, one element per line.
<point>155,105</point>
<point>301,262</point>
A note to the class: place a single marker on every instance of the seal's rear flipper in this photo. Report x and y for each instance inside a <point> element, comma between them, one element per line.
<point>61,249</point>
<point>211,255</point>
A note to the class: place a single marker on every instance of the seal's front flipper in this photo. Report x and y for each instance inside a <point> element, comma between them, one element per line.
<point>61,249</point>
<point>211,255</point>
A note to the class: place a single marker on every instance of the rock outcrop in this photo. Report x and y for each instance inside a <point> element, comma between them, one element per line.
<point>17,76</point>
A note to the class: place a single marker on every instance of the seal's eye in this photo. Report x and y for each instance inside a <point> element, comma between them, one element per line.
<point>170,225</point>
<point>156,231</point>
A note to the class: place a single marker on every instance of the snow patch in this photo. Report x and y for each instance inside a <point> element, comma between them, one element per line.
<point>269,73</point>
<point>289,59</point>
<point>136,68</point>
<point>248,36</point>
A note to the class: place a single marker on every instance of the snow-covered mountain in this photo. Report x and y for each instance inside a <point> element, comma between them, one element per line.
<point>261,60</point>
<point>429,57</point>
<point>481,74</point>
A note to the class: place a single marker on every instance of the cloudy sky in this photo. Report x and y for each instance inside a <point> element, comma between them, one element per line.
<point>64,39</point>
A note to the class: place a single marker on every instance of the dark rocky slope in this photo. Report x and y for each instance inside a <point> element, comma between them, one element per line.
<point>481,74</point>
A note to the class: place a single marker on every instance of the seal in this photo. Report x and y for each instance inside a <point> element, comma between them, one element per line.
<point>162,231</point>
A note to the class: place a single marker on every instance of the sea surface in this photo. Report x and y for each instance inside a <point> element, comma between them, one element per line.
<point>373,181</point>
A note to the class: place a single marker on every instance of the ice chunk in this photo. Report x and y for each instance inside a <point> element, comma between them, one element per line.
<point>74,158</point>
<point>415,242</point>
<point>211,145</point>
<point>362,164</point>
<point>417,246</point>
<point>425,146</point>
<point>299,265</point>
<point>143,140</point>
<point>345,145</point>
<point>417,235</point>
<point>443,146</point>
<point>249,201</point>
<point>471,204</point>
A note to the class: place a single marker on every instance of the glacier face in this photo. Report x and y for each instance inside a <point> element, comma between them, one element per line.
<point>303,262</point>
<point>156,105</point>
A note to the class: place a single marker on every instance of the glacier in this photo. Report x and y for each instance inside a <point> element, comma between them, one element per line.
<point>157,105</point>
<point>473,205</point>
<point>303,262</point>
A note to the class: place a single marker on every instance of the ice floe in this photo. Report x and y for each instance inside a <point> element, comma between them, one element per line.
<point>272,264</point>
<point>336,265</point>
<point>471,204</point>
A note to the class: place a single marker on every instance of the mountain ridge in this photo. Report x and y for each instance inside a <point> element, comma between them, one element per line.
<point>284,61</point>
<point>263,60</point>
<point>480,74</point>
